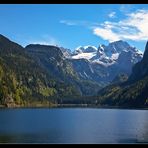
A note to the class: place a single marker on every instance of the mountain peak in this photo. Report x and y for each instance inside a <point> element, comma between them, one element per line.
<point>5,43</point>
<point>118,46</point>
<point>87,48</point>
<point>40,45</point>
<point>119,42</point>
<point>48,50</point>
<point>90,48</point>
<point>146,51</point>
<point>79,49</point>
<point>140,69</point>
<point>3,38</point>
<point>113,53</point>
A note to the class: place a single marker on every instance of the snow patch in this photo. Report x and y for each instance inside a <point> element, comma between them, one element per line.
<point>52,58</point>
<point>106,55</point>
<point>91,69</point>
<point>115,56</point>
<point>86,74</point>
<point>84,55</point>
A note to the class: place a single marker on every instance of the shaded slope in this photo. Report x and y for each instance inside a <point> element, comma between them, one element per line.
<point>133,92</point>
<point>23,80</point>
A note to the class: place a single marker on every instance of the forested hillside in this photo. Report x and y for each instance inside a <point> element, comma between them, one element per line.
<point>23,80</point>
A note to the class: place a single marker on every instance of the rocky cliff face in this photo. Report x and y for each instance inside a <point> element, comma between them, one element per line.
<point>131,93</point>
<point>140,69</point>
<point>23,80</point>
<point>54,60</point>
<point>106,62</point>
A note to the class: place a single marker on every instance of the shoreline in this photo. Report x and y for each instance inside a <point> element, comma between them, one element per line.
<point>71,106</point>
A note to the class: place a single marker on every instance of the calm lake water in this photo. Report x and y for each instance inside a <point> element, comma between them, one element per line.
<point>73,125</point>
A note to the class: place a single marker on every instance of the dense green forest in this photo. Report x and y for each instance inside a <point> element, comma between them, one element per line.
<point>23,81</point>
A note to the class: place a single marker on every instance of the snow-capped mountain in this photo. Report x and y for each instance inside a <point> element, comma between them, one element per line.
<point>66,52</point>
<point>86,52</point>
<point>85,49</point>
<point>104,63</point>
<point>108,55</point>
<point>87,68</point>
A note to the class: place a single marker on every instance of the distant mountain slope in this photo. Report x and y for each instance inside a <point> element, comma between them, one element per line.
<point>23,80</point>
<point>140,70</point>
<point>102,65</point>
<point>108,55</point>
<point>133,92</point>
<point>47,74</point>
<point>53,60</point>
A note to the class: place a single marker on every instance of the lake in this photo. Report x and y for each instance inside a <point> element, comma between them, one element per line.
<point>73,125</point>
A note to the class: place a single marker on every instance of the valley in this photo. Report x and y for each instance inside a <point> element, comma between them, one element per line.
<point>46,74</point>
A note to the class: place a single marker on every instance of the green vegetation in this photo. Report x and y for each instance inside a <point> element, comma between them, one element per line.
<point>48,91</point>
<point>24,81</point>
<point>29,78</point>
<point>54,63</point>
<point>131,93</point>
<point>134,95</point>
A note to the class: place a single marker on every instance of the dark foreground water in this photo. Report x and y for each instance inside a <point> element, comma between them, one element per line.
<point>75,125</point>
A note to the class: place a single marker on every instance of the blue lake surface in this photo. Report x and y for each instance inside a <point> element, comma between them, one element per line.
<point>73,125</point>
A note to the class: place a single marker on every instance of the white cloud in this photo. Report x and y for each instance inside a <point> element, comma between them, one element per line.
<point>44,40</point>
<point>133,27</point>
<point>126,8</point>
<point>112,15</point>
<point>106,34</point>
<point>68,22</point>
<point>79,23</point>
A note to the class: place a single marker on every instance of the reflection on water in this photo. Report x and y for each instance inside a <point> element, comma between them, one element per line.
<point>81,125</point>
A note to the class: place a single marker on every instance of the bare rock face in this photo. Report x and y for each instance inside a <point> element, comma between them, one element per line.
<point>106,62</point>
<point>140,69</point>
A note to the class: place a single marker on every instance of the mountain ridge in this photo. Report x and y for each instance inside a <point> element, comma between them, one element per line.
<point>106,62</point>
<point>24,82</point>
<point>48,74</point>
<point>131,93</point>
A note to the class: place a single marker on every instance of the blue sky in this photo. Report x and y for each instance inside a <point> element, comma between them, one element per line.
<point>72,25</point>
